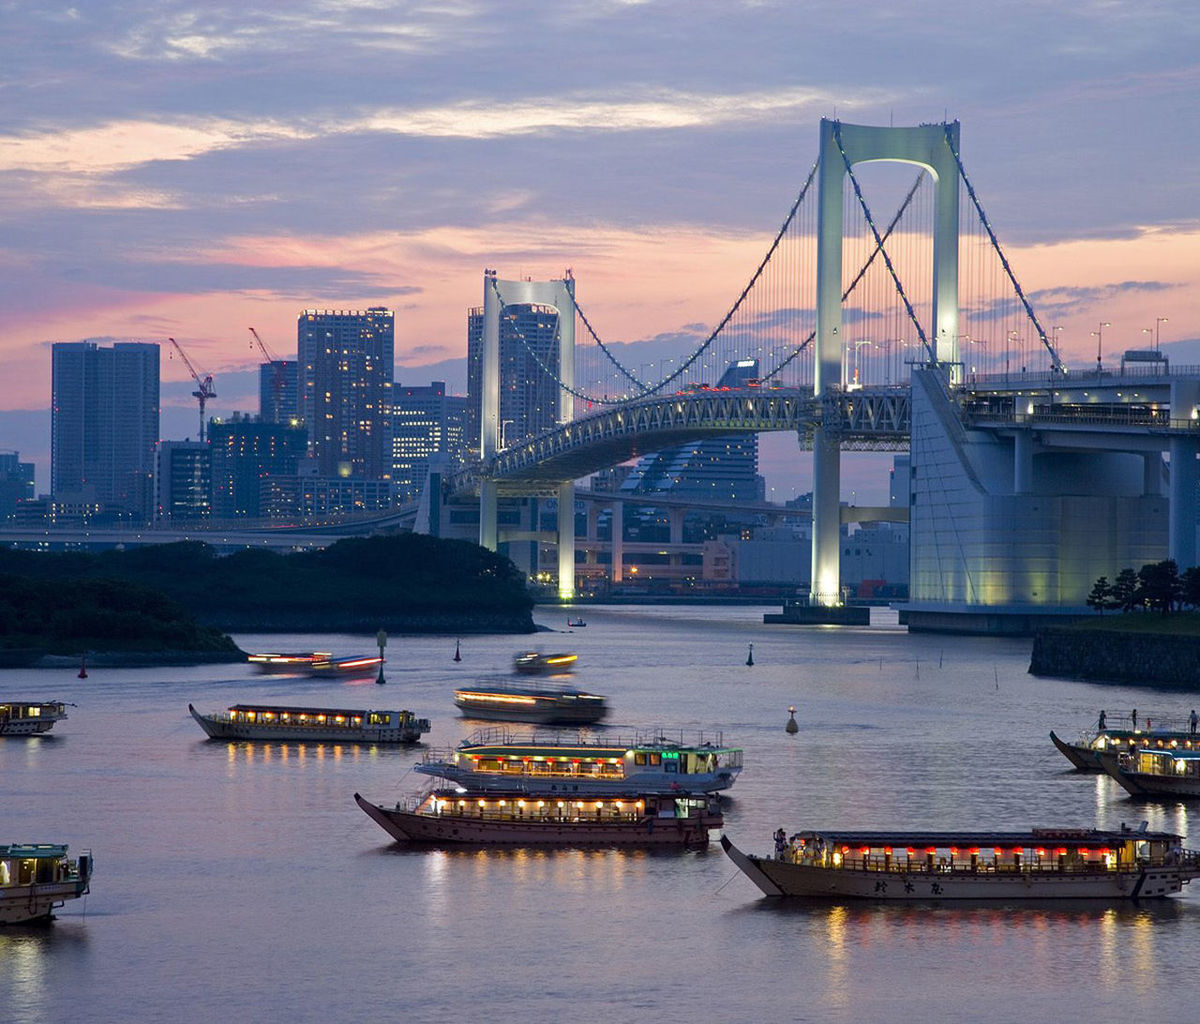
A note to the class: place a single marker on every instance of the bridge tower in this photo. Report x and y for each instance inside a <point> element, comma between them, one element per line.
<point>561,296</point>
<point>926,146</point>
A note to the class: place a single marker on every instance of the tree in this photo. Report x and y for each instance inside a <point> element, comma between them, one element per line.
<point>1125,590</point>
<point>1159,585</point>
<point>1101,595</point>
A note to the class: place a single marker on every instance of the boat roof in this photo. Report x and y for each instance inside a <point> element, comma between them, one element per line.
<point>35,850</point>
<point>293,709</point>
<point>614,749</point>
<point>1033,838</point>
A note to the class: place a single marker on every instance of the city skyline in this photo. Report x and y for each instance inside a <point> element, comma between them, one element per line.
<point>226,177</point>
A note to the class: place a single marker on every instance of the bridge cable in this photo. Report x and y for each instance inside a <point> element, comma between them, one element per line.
<point>1056,362</point>
<point>912,315</point>
<point>861,273</point>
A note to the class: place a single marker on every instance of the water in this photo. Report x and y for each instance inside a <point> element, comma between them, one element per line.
<point>241,881</point>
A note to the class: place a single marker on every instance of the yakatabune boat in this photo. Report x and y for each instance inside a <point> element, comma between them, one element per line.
<point>30,717</point>
<point>498,760</point>
<point>37,877</point>
<point>272,722</point>
<point>1047,863</point>
<point>1156,773</point>
<point>514,819</point>
<point>1084,752</point>
<point>541,703</point>
<point>295,661</point>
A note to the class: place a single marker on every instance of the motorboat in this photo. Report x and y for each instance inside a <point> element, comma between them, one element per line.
<point>30,717</point>
<point>356,666</point>
<point>293,661</point>
<point>1042,864</point>
<point>290,723</point>
<point>535,663</point>
<point>452,816</point>
<point>35,878</point>
<point>1146,772</point>
<point>577,623</point>
<point>541,703</point>
<point>557,762</point>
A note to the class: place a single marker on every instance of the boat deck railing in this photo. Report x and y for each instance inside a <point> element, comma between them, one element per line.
<point>587,737</point>
<point>1187,860</point>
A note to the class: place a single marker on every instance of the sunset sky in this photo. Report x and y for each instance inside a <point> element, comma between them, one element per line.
<point>194,169</point>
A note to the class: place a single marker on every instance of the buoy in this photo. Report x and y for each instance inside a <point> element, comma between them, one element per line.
<point>750,656</point>
<point>83,666</point>
<point>791,726</point>
<point>457,656</point>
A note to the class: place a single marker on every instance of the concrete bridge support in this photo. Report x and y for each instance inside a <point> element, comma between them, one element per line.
<point>617,571</point>
<point>1181,540</point>
<point>925,146</point>
<point>566,541</point>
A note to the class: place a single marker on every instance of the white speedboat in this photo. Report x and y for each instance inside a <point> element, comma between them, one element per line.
<point>1045,863</point>
<point>37,877</point>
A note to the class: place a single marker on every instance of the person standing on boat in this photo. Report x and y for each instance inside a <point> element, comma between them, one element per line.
<point>1133,715</point>
<point>1102,720</point>
<point>1193,721</point>
<point>780,843</point>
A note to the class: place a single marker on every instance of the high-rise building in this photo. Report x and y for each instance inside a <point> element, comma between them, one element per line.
<point>528,362</point>
<point>425,422</point>
<point>16,483</point>
<point>346,361</point>
<point>246,453</point>
<point>721,468</point>
<point>278,391</point>
<point>183,480</point>
<point>104,424</point>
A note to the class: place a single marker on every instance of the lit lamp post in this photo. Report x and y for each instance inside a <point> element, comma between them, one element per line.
<point>504,425</point>
<point>857,346</point>
<point>975,341</point>
<point>1158,320</point>
<point>1098,334</point>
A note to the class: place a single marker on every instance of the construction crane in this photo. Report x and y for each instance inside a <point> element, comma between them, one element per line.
<point>204,385</point>
<point>277,368</point>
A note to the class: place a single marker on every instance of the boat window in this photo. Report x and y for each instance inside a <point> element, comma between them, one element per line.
<point>655,758</point>
<point>639,757</point>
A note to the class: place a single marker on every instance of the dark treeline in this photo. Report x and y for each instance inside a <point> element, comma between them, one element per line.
<point>1158,586</point>
<point>359,583</point>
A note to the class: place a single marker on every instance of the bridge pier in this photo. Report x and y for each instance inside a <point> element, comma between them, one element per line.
<point>489,531</point>
<point>617,568</point>
<point>825,589</point>
<point>1181,541</point>
<point>566,541</point>
<point>1023,462</point>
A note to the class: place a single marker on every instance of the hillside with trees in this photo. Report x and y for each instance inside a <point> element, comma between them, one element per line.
<point>404,583</point>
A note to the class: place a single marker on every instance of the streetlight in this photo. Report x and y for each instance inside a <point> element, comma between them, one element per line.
<point>503,425</point>
<point>1099,336</point>
<point>857,346</point>
<point>1157,321</point>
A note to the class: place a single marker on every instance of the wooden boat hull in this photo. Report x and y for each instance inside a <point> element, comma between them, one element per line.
<point>1082,756</point>
<point>785,878</point>
<point>27,727</point>
<point>24,903</point>
<point>219,729</point>
<point>582,786</point>
<point>412,826</point>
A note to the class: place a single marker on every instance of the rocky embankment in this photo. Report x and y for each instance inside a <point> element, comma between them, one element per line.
<point>1162,659</point>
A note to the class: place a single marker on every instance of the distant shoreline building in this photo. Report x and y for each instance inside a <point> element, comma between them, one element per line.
<point>425,422</point>
<point>105,426</point>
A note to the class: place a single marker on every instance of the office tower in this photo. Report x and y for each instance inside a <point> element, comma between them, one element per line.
<point>183,480</point>
<point>278,391</point>
<point>16,483</point>
<point>718,468</point>
<point>346,360</point>
<point>425,422</point>
<point>246,455</point>
<point>104,424</point>
<point>528,365</point>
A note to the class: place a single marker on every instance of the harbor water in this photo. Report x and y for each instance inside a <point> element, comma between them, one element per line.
<point>238,881</point>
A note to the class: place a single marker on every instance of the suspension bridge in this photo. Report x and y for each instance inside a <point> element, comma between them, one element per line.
<point>909,330</point>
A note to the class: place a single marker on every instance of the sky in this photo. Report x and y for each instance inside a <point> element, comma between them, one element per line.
<point>193,169</point>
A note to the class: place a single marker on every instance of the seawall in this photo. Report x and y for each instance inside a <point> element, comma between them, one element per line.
<point>1160,659</point>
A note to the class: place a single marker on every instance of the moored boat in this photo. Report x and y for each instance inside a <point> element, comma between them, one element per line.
<point>1042,864</point>
<point>1155,773</point>
<point>540,703</point>
<point>37,877</point>
<point>30,717</point>
<point>535,663</point>
<point>578,623</point>
<point>513,819</point>
<point>553,763</point>
<point>1084,753</point>
<point>275,722</point>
